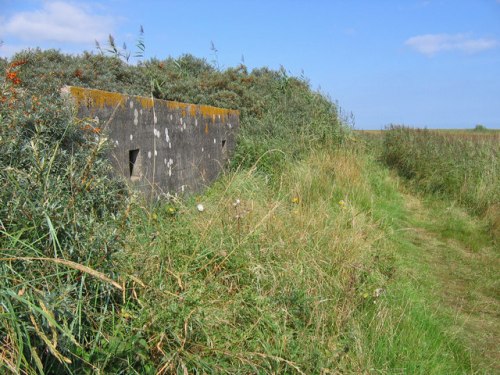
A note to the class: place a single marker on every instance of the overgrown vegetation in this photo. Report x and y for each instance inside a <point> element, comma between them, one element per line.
<point>64,221</point>
<point>298,263</point>
<point>263,280</point>
<point>306,278</point>
<point>459,166</point>
<point>60,224</point>
<point>267,99</point>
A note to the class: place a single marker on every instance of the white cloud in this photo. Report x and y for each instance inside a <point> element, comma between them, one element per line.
<point>430,44</point>
<point>58,21</point>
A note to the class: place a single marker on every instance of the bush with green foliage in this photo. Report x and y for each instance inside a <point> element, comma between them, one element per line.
<point>61,221</point>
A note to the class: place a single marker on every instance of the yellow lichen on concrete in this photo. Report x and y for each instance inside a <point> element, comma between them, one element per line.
<point>214,112</point>
<point>185,108</point>
<point>92,98</point>
<point>146,103</point>
<point>96,98</point>
<point>204,110</point>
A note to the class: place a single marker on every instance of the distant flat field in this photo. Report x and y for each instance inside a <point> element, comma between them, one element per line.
<point>468,133</point>
<point>455,131</point>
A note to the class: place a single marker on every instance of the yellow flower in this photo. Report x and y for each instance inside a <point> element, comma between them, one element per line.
<point>296,200</point>
<point>341,203</point>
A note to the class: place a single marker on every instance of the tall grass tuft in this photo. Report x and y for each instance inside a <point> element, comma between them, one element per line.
<point>464,167</point>
<point>267,279</point>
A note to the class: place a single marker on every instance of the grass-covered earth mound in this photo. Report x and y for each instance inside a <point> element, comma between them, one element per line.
<point>310,256</point>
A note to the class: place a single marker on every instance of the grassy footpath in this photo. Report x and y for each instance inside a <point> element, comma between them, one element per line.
<point>460,261</point>
<point>449,257</point>
<point>406,330</point>
<point>448,267</point>
<point>459,166</point>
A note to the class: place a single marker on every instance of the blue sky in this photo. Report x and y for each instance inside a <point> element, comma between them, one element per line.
<point>433,63</point>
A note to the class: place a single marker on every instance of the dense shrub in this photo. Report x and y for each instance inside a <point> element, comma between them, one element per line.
<point>59,225</point>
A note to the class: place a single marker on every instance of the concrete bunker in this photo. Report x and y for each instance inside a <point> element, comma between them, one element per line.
<point>161,146</point>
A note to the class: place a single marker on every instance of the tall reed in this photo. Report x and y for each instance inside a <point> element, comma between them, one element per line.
<point>464,167</point>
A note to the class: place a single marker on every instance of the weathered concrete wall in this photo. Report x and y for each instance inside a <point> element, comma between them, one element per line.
<point>161,146</point>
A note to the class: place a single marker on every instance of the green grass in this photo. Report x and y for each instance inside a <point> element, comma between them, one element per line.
<point>450,256</point>
<point>332,269</point>
<point>405,330</point>
<point>463,167</point>
<point>311,258</point>
<point>300,282</point>
<point>455,260</point>
<point>266,285</point>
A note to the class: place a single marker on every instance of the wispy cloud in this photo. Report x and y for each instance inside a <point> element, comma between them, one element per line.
<point>430,44</point>
<point>58,21</point>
